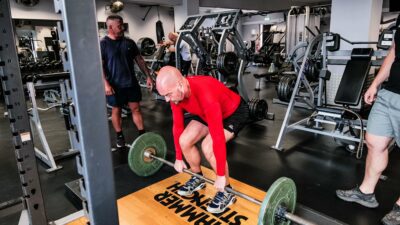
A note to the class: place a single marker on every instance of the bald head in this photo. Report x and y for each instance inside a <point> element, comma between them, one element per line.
<point>173,36</point>
<point>168,79</point>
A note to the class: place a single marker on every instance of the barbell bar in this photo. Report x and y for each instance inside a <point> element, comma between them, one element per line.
<point>150,155</point>
<point>285,214</point>
<point>148,152</point>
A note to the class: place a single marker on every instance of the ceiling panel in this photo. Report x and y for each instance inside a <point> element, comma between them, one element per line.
<point>262,5</point>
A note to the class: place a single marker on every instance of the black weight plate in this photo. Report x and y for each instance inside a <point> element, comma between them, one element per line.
<point>279,88</point>
<point>286,90</point>
<point>146,46</point>
<point>227,63</point>
<point>291,83</point>
<point>283,85</point>
<point>261,109</point>
<point>252,104</point>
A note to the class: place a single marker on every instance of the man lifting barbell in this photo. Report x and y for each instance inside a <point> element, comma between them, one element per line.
<point>147,155</point>
<point>217,115</point>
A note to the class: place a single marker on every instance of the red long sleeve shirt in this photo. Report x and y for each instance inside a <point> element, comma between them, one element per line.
<point>212,102</point>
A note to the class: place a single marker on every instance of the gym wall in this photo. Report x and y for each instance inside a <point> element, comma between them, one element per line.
<point>131,13</point>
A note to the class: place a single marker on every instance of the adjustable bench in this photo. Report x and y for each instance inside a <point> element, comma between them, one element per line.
<point>352,83</point>
<point>349,94</point>
<point>354,77</point>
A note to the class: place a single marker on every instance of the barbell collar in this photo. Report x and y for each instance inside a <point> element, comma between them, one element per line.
<point>228,189</point>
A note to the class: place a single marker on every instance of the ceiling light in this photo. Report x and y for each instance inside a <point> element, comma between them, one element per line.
<point>116,6</point>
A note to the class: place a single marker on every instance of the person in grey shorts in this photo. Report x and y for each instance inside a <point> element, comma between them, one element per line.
<point>383,126</point>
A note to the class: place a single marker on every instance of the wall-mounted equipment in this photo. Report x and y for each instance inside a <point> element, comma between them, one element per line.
<point>29,3</point>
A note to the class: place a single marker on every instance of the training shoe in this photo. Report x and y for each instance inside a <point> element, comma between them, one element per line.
<point>194,184</point>
<point>393,217</point>
<point>221,201</point>
<point>120,141</point>
<point>355,195</point>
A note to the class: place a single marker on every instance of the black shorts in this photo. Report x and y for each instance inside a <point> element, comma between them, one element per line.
<point>122,96</point>
<point>234,123</point>
<point>185,66</point>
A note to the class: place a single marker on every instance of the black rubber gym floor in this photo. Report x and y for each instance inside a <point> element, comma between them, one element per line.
<point>317,164</point>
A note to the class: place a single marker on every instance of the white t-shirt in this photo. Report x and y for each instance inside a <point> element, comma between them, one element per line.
<point>185,51</point>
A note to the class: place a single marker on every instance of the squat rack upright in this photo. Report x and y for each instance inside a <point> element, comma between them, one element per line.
<point>78,29</point>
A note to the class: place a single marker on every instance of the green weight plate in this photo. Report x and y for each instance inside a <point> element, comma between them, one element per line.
<point>141,165</point>
<point>281,193</point>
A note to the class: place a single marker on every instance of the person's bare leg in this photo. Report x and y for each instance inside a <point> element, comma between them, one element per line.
<point>116,119</point>
<point>207,148</point>
<point>193,132</point>
<point>136,115</point>
<point>377,160</point>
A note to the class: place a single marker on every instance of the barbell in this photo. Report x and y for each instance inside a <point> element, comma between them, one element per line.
<point>147,155</point>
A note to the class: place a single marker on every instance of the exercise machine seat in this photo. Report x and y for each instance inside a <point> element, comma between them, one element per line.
<point>354,77</point>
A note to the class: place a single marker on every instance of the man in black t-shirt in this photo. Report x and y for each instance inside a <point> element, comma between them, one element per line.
<point>122,88</point>
<point>383,126</point>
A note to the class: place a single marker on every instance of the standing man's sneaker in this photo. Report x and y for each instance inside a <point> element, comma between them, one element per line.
<point>194,184</point>
<point>120,141</point>
<point>221,201</point>
<point>393,217</point>
<point>355,195</point>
